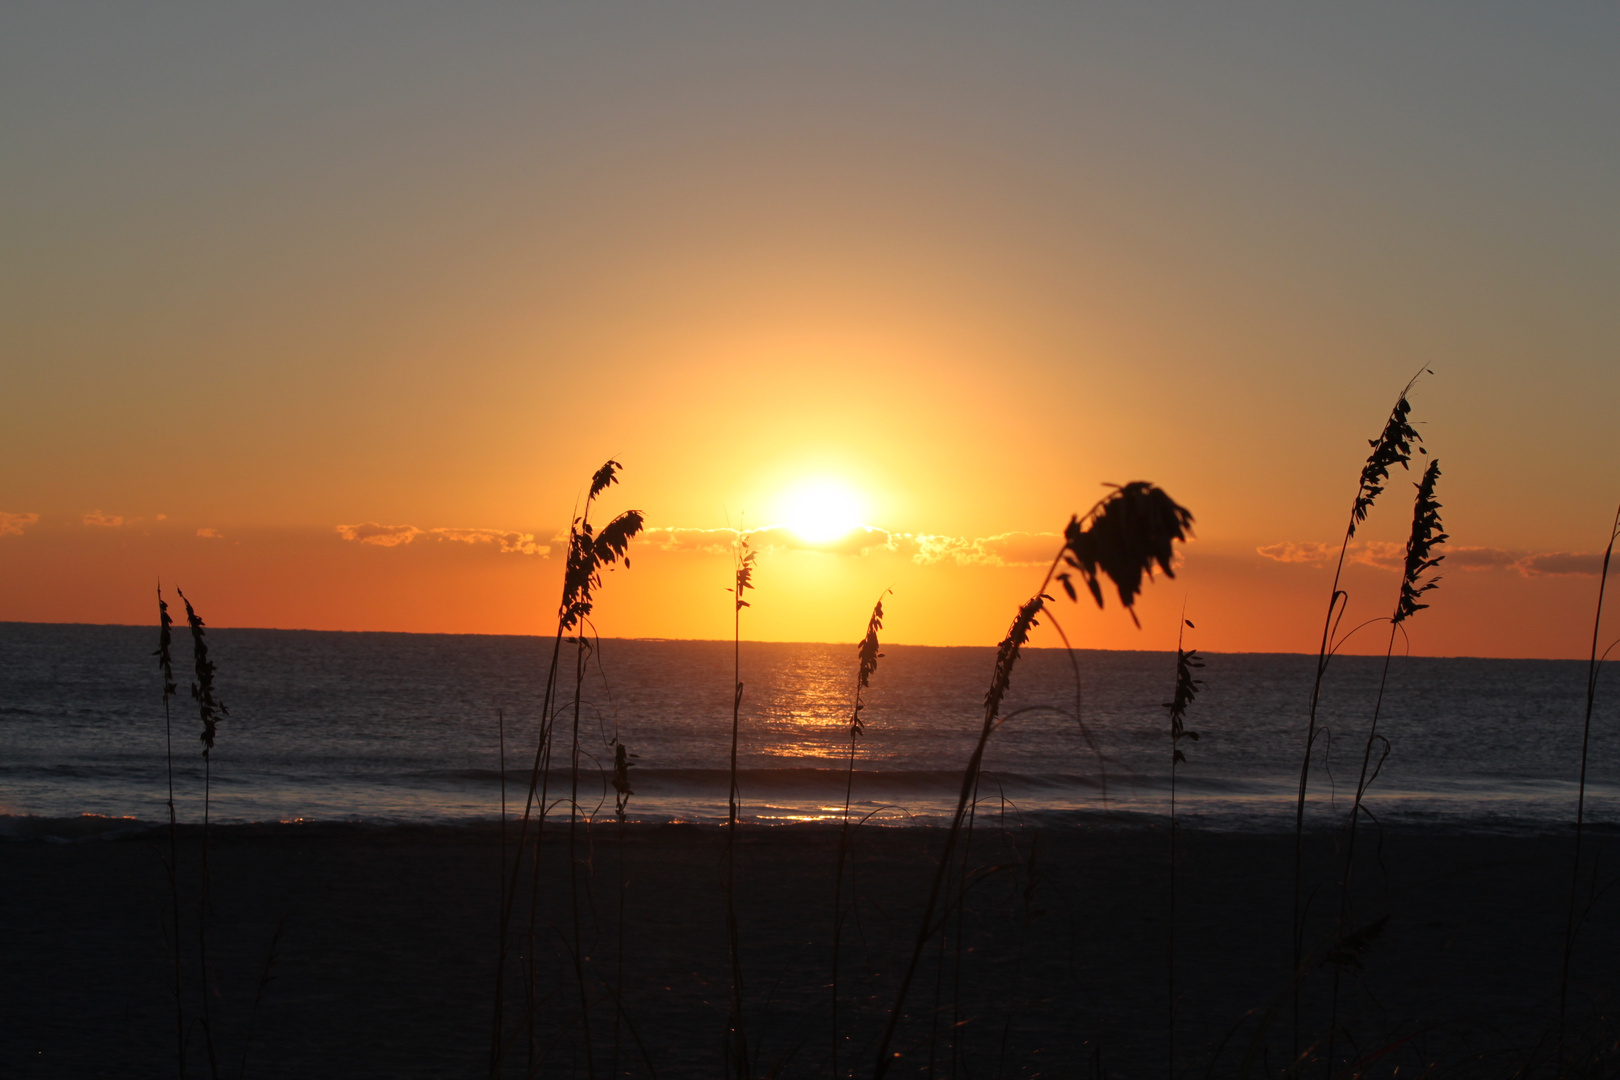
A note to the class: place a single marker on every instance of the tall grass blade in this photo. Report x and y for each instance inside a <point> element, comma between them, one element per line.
<point>1580,799</point>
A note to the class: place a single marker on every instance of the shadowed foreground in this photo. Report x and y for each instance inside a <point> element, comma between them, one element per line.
<point>385,960</point>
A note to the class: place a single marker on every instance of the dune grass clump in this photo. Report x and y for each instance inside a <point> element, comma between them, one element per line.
<point>868,653</point>
<point>1393,446</point>
<point>1121,538</point>
<point>1426,535</point>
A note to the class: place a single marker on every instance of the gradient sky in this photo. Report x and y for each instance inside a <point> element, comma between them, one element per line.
<point>416,270</point>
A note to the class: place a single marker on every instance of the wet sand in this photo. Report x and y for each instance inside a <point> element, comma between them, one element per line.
<point>384,965</point>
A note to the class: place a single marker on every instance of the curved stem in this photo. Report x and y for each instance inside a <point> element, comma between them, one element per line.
<point>1350,843</point>
<point>1580,798</point>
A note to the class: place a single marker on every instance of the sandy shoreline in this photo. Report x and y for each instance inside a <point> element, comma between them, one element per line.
<point>384,964</point>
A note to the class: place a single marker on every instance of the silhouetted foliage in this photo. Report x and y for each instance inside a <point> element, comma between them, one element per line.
<point>209,708</point>
<point>621,780</point>
<point>744,570</point>
<point>1187,687</point>
<point>165,642</point>
<point>869,655</point>
<point>603,477</point>
<point>1426,536</point>
<point>1348,950</point>
<point>588,553</point>
<point>1122,537</point>
<point>1393,447</point>
<point>1008,652</point>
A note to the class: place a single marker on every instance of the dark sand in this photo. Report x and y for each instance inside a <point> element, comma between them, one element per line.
<point>386,954</point>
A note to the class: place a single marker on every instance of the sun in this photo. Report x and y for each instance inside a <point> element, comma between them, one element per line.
<point>819,511</point>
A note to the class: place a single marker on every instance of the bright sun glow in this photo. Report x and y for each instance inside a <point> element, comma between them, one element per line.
<point>822,510</point>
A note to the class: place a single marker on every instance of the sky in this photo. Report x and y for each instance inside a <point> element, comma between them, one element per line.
<point>327,313</point>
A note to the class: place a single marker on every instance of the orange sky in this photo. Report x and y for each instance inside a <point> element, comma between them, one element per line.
<point>269,273</point>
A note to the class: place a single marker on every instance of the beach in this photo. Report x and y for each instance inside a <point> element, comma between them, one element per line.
<point>385,940</point>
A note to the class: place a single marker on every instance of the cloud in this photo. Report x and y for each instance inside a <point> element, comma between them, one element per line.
<point>508,541</point>
<point>1310,553</point>
<point>1384,554</point>
<point>1003,549</point>
<point>1563,562</point>
<point>1387,555</point>
<point>857,541</point>
<point>381,535</point>
<point>105,521</point>
<point>707,541</point>
<point>14,524</point>
<point>210,534</point>
<point>925,549</point>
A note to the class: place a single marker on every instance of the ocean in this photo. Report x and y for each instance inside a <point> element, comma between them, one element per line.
<point>407,728</point>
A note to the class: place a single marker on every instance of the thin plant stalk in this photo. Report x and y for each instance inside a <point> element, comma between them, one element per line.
<point>573,860</point>
<point>1121,538</point>
<point>622,792</point>
<point>1392,447</point>
<point>869,655</point>
<point>1580,797</point>
<point>1187,687</point>
<point>743,559</point>
<point>166,666</point>
<point>1425,536</point>
<point>538,773</point>
<point>210,709</point>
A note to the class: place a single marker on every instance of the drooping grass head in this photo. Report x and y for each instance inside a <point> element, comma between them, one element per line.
<point>165,642</point>
<point>869,655</point>
<point>1393,447</point>
<point>1122,537</point>
<point>209,707</point>
<point>1420,557</point>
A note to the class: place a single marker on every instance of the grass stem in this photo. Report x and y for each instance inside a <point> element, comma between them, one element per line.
<point>1580,799</point>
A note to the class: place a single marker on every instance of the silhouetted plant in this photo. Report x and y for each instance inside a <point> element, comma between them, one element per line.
<point>165,660</point>
<point>1426,535</point>
<point>743,562</point>
<point>1187,687</point>
<point>589,553</point>
<point>1121,538</point>
<point>209,709</point>
<point>1393,447</point>
<point>868,656</point>
<point>621,781</point>
<point>1592,665</point>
